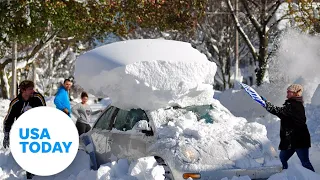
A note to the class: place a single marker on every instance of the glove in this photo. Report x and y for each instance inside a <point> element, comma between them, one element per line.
<point>6,140</point>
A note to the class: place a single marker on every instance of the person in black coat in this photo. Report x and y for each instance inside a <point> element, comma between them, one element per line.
<point>294,133</point>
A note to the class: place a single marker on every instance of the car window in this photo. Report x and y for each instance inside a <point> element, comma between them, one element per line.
<point>202,112</point>
<point>125,120</point>
<point>104,121</point>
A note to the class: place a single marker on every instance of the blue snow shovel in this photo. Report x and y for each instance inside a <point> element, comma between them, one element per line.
<point>253,94</point>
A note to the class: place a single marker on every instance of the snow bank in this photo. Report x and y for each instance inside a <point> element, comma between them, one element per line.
<point>142,169</point>
<point>315,100</point>
<point>295,172</point>
<point>241,104</point>
<point>105,101</point>
<point>139,77</point>
<point>309,86</point>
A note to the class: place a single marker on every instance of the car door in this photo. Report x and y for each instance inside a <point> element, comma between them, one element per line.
<point>127,143</point>
<point>100,135</point>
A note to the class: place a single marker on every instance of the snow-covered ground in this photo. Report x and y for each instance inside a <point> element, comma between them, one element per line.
<point>146,168</point>
<point>143,169</point>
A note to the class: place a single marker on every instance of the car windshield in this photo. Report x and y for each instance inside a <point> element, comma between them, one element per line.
<point>202,112</point>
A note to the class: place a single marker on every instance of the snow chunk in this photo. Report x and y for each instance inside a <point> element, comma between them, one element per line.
<point>146,168</point>
<point>139,77</point>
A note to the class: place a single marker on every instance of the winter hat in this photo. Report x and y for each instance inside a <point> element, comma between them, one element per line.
<point>296,88</point>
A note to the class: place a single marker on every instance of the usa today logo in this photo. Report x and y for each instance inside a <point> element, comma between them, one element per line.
<point>44,141</point>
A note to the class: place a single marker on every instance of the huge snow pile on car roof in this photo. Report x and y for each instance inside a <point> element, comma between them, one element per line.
<point>147,73</point>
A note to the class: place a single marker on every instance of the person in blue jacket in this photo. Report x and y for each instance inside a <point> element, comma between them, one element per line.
<point>62,100</point>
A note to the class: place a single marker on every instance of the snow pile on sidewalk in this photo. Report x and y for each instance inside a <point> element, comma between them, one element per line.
<point>142,169</point>
<point>151,75</point>
<point>295,172</point>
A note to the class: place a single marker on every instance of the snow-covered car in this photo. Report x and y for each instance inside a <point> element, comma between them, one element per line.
<point>163,106</point>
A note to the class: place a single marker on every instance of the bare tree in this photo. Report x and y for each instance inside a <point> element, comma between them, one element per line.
<point>261,16</point>
<point>30,53</point>
<point>218,39</point>
<point>215,37</point>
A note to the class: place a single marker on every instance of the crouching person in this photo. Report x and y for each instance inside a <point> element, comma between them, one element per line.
<point>26,99</point>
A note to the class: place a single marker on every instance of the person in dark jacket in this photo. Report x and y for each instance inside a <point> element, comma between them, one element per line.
<point>62,100</point>
<point>294,133</point>
<point>26,99</point>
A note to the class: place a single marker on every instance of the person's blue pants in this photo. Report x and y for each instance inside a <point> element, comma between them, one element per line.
<point>303,155</point>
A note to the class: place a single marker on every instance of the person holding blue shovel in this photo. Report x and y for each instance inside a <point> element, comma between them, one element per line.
<point>294,133</point>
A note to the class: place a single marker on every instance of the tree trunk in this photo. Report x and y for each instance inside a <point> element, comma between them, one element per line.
<point>222,69</point>
<point>228,66</point>
<point>14,70</point>
<point>34,73</point>
<point>4,83</point>
<point>236,48</point>
<point>253,73</point>
<point>262,57</point>
<point>50,60</point>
